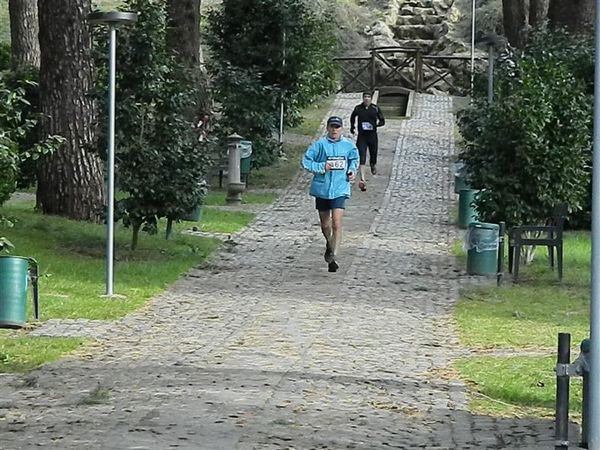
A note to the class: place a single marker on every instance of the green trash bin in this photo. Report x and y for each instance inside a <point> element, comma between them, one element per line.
<point>245,159</point>
<point>14,280</point>
<point>460,177</point>
<point>482,248</point>
<point>467,212</point>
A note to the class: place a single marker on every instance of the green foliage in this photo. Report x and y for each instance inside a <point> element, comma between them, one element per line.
<point>17,124</point>
<point>160,163</point>
<point>531,148</point>
<point>4,56</point>
<point>249,42</point>
<point>488,14</point>
<point>5,245</point>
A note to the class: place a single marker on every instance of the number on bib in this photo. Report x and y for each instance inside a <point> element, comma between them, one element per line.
<point>367,126</point>
<point>337,162</point>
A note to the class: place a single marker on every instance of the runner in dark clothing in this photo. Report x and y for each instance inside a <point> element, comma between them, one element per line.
<point>369,117</point>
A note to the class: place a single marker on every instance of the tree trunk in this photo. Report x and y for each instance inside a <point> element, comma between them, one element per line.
<point>538,12</point>
<point>183,30</point>
<point>577,16</point>
<point>70,181</point>
<point>183,40</point>
<point>516,21</point>
<point>24,28</point>
<point>135,234</point>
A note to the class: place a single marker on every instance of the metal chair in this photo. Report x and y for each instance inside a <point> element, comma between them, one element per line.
<point>552,238</point>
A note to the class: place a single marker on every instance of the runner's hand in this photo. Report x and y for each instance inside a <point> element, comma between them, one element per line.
<point>328,166</point>
<point>351,176</point>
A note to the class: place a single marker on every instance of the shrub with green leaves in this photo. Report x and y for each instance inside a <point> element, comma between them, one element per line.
<point>18,120</point>
<point>531,148</point>
<point>263,51</point>
<point>4,56</point>
<point>160,162</point>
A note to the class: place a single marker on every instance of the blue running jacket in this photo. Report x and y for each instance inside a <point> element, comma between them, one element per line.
<point>343,154</point>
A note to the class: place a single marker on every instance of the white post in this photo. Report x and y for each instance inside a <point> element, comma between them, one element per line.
<point>110,188</point>
<point>594,415</point>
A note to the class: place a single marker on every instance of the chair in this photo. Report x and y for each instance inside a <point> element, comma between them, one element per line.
<point>552,238</point>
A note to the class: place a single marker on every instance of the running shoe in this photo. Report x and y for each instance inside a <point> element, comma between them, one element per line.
<point>362,185</point>
<point>373,169</point>
<point>333,266</point>
<point>328,254</point>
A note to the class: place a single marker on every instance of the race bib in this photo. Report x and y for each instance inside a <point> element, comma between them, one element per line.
<point>367,126</point>
<point>337,162</point>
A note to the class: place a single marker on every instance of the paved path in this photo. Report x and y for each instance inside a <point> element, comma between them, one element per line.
<point>262,348</point>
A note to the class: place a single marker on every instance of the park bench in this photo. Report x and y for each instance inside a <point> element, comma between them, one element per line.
<point>551,237</point>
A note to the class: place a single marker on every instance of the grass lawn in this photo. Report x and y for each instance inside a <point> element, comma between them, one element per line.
<point>21,354</point>
<point>71,258</point>
<point>217,198</point>
<point>517,385</point>
<point>218,221</point>
<point>527,316</point>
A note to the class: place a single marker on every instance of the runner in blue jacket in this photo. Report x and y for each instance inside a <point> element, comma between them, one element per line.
<point>333,160</point>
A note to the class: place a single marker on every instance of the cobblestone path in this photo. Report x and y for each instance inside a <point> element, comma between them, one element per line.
<point>262,348</point>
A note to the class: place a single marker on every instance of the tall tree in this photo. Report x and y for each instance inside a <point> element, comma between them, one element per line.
<point>538,12</point>
<point>70,181</point>
<point>183,41</point>
<point>25,47</point>
<point>516,21</point>
<point>183,30</point>
<point>577,16</point>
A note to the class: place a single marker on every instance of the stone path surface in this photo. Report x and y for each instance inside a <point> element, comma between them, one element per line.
<point>262,348</point>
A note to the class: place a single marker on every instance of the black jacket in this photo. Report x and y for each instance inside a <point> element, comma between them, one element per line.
<point>371,115</point>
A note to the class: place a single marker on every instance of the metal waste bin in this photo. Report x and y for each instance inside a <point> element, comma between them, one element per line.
<point>460,177</point>
<point>482,248</point>
<point>245,159</point>
<point>467,212</point>
<point>15,273</point>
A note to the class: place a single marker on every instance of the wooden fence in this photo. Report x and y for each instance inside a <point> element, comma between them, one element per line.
<point>406,67</point>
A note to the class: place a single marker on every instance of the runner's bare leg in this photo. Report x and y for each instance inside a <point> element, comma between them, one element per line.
<point>337,214</point>
<point>326,228</point>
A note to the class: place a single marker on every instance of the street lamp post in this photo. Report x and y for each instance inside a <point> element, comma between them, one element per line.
<point>113,19</point>
<point>491,42</point>
<point>594,416</point>
<point>472,46</point>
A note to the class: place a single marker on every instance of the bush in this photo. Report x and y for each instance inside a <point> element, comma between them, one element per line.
<point>4,56</point>
<point>531,148</point>
<point>18,121</point>
<point>488,18</point>
<point>160,163</point>
<point>249,41</point>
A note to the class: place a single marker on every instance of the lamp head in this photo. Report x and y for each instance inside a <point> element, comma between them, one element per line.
<point>112,18</point>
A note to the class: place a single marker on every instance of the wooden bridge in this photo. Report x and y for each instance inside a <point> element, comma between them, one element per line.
<point>410,68</point>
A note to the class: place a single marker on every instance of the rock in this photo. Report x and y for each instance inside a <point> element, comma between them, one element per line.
<point>382,29</point>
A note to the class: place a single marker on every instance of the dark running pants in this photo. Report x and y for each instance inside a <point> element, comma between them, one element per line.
<point>364,141</point>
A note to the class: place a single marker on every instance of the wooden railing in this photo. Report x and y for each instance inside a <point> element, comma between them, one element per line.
<point>407,67</point>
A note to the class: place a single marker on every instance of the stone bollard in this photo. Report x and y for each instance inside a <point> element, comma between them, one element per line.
<point>235,187</point>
